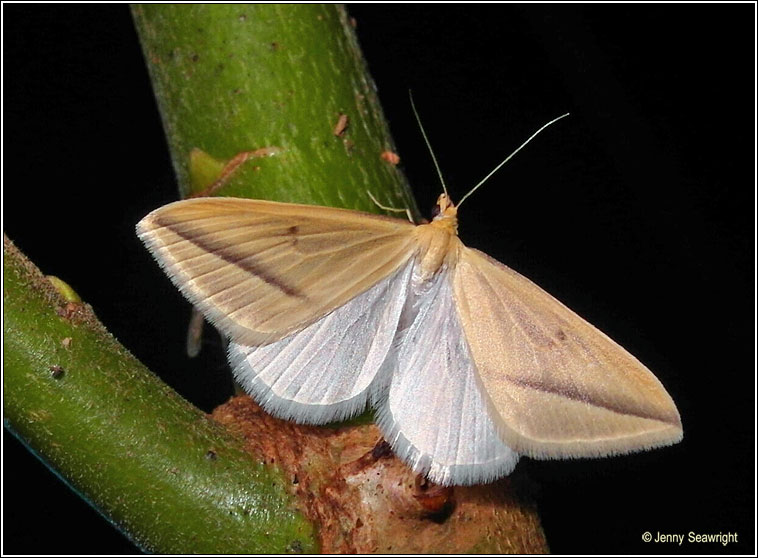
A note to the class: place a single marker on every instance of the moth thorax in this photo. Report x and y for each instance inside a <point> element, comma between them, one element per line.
<point>438,245</point>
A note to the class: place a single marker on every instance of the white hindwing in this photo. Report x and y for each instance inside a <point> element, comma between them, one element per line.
<point>398,332</point>
<point>433,414</point>
<point>328,370</point>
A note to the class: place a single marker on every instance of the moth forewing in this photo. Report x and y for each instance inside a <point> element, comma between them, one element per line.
<point>556,386</point>
<point>262,270</point>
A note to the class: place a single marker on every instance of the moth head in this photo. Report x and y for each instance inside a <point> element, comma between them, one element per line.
<point>445,214</point>
<point>444,208</point>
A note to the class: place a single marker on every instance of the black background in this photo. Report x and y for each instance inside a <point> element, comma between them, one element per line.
<point>637,211</point>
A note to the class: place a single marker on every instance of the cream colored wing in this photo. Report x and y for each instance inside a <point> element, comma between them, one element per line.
<point>557,386</point>
<point>433,414</point>
<point>262,270</point>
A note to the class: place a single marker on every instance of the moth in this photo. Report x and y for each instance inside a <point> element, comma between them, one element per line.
<point>468,364</point>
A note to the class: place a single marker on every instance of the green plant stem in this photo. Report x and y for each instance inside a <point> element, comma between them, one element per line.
<point>286,82</point>
<point>234,78</point>
<point>171,479</point>
<point>227,79</point>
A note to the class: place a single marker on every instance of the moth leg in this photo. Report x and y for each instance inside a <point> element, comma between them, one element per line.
<point>195,333</point>
<point>405,210</point>
<point>195,329</point>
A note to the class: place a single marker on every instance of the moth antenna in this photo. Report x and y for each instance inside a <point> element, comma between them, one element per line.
<point>508,158</point>
<point>428,145</point>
